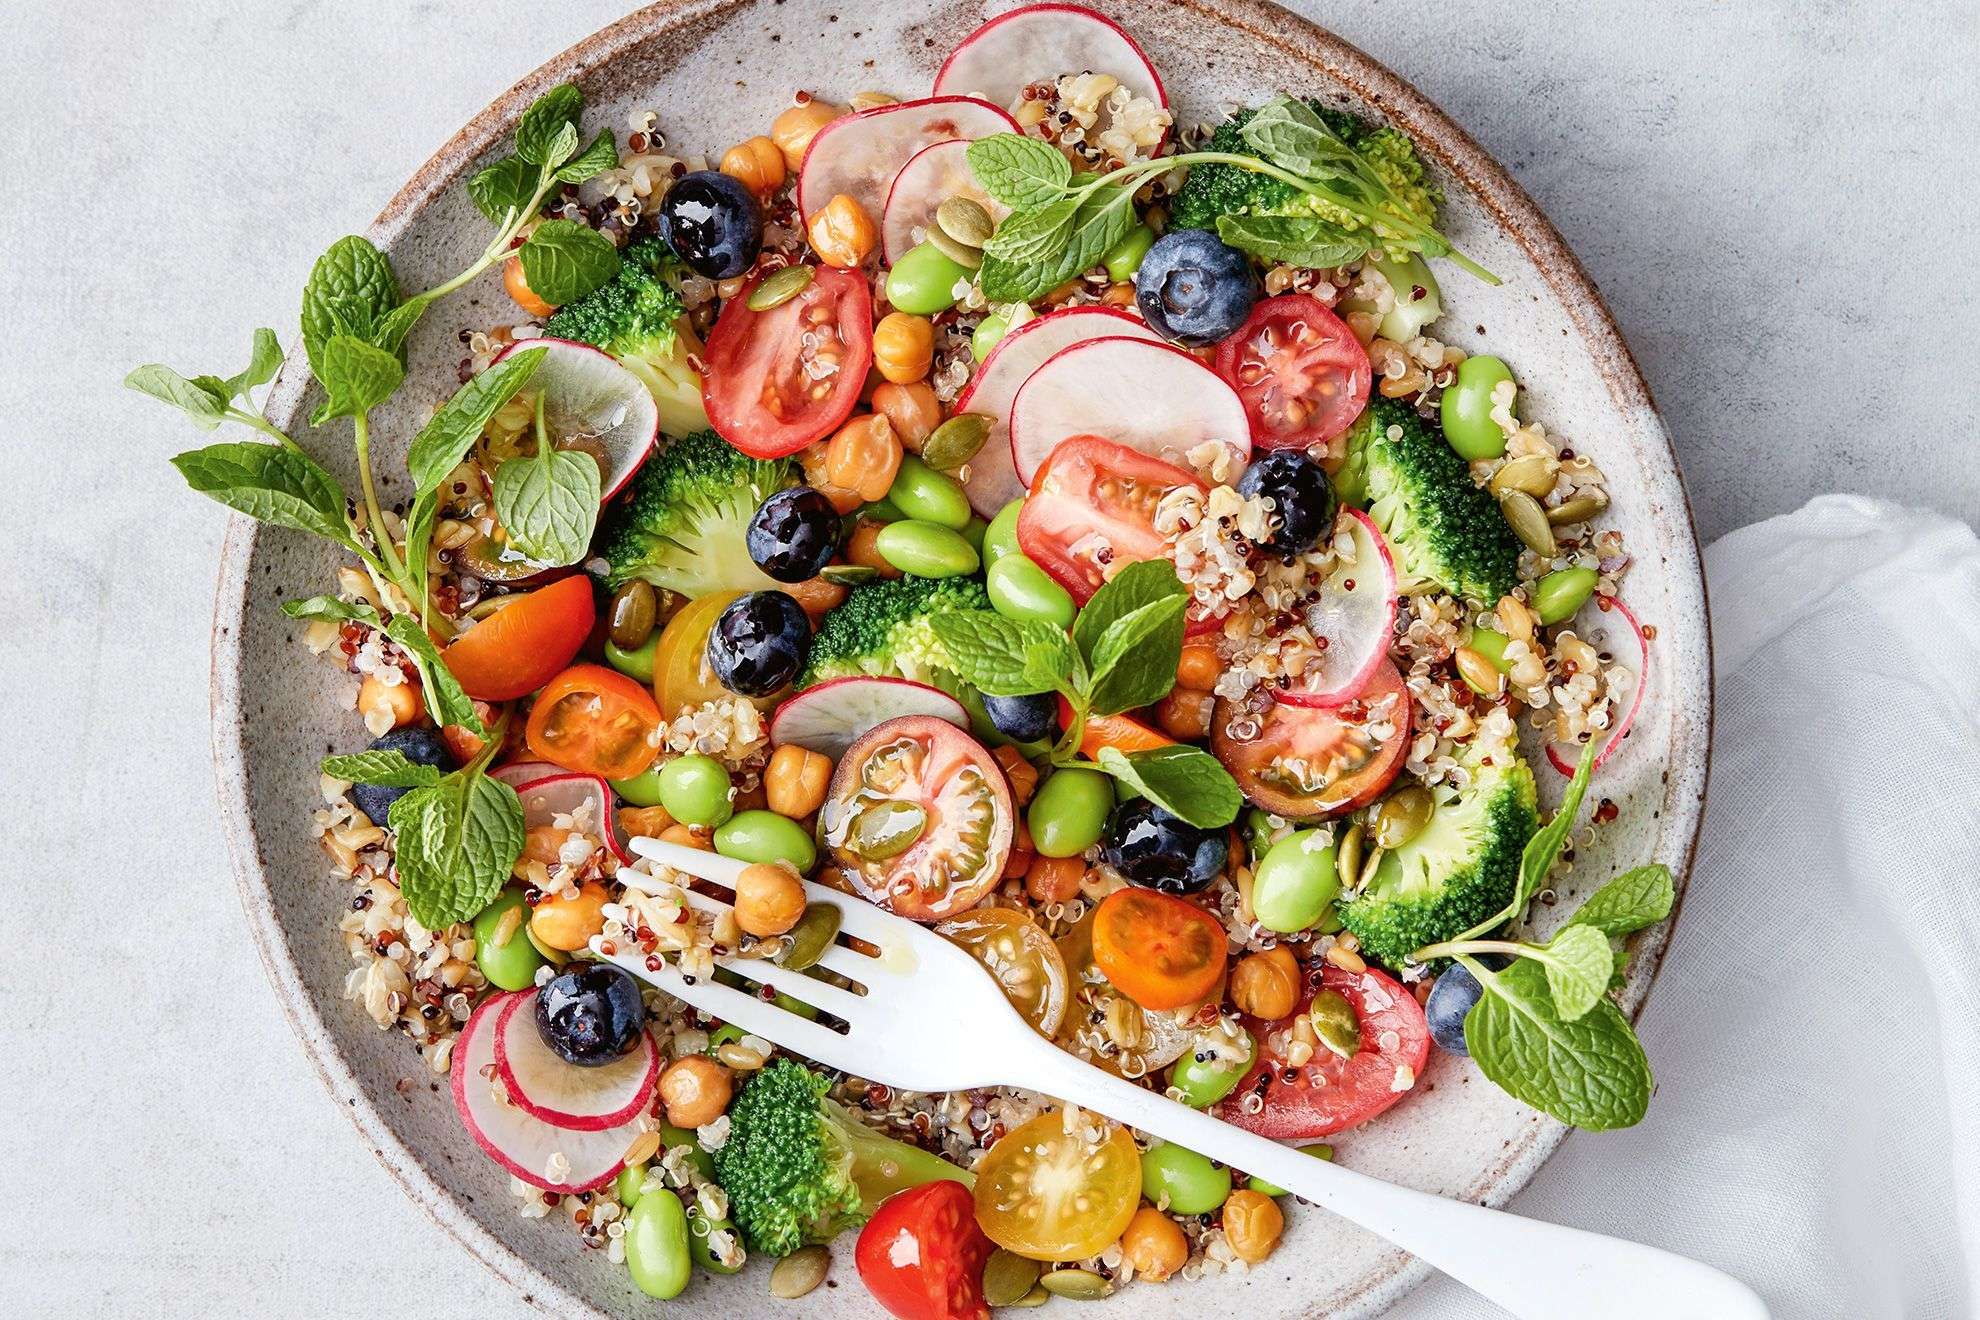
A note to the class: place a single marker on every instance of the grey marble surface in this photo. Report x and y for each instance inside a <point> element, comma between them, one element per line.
<point>1778,200</point>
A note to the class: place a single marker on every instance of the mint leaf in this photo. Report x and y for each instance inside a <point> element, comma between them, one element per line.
<point>1287,133</point>
<point>444,695</point>
<point>1134,662</point>
<point>1035,238</point>
<point>446,438</point>
<point>270,483</point>
<point>564,260</point>
<point>205,405</point>
<point>1003,657</point>
<point>457,845</point>
<point>384,769</point>
<point>1138,584</point>
<point>337,611</point>
<point>264,360</point>
<point>1019,171</point>
<point>501,191</point>
<point>1633,900</point>
<point>1296,240</point>
<point>549,504</point>
<point>357,375</point>
<point>541,127</point>
<point>1104,218</point>
<point>1183,781</point>
<point>351,290</point>
<point>1544,848</point>
<point>1590,1072</point>
<point>1578,962</point>
<point>601,155</point>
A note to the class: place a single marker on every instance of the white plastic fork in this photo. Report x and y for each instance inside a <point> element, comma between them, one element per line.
<point>1535,1270</point>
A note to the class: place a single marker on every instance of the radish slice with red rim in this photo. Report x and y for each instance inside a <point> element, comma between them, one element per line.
<point>592,400</point>
<point>550,1088</point>
<point>830,717</point>
<point>1354,615</point>
<point>998,59</point>
<point>931,176</point>
<point>517,773</point>
<point>586,797</point>
<point>1606,624</point>
<point>1150,396</point>
<point>993,482</point>
<point>859,154</point>
<point>526,1146</point>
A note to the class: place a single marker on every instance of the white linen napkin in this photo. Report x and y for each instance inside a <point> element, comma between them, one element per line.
<point>1815,1030</point>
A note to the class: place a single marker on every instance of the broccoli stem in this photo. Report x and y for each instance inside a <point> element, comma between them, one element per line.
<point>883,1165</point>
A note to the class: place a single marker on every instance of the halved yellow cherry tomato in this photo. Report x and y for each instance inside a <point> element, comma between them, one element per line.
<point>1159,951</point>
<point>595,721</point>
<point>681,676</point>
<point>1020,956</point>
<point>1049,1194</point>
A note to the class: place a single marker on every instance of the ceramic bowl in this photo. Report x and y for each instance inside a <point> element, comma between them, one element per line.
<point>717,70</point>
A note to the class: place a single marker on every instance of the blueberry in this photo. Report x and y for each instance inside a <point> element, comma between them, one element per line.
<point>1024,719</point>
<point>1302,498</point>
<point>793,534</point>
<point>590,1013</point>
<point>1156,850</point>
<point>422,746</point>
<point>759,643</point>
<point>713,223</point>
<point>1450,999</point>
<point>1193,288</point>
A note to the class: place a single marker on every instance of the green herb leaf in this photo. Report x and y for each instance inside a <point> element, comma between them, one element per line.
<point>1183,781</point>
<point>334,610</point>
<point>398,323</point>
<point>444,695</point>
<point>1003,657</point>
<point>1286,132</point>
<point>358,376</point>
<point>1021,172</point>
<point>1053,244</point>
<point>1578,963</point>
<point>263,362</point>
<point>549,505</point>
<point>351,290</point>
<point>1633,900</point>
<point>543,124</point>
<point>1035,238</point>
<point>1544,848</point>
<point>204,404</point>
<point>382,769</point>
<point>501,191</point>
<point>1590,1072</point>
<point>1296,240</point>
<point>446,438</point>
<point>270,483</point>
<point>601,155</point>
<point>1134,662</point>
<point>564,260</point>
<point>1137,584</point>
<point>458,841</point>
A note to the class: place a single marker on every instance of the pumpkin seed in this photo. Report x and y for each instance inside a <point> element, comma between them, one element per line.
<point>1579,509</point>
<point>1007,1277</point>
<point>812,935</point>
<point>778,288</point>
<point>1528,521</point>
<point>1347,857</point>
<point>1035,1298</point>
<point>962,254</point>
<point>1079,1285</point>
<point>800,1272</point>
<point>1372,865</point>
<point>849,575</point>
<point>1533,474</point>
<point>1335,1023</point>
<point>1479,674</point>
<point>956,441</point>
<point>965,220</point>
<point>1402,816</point>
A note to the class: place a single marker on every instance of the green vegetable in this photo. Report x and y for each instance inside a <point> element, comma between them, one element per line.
<point>765,836</point>
<point>1184,781</point>
<point>384,769</point>
<point>642,790</point>
<point>1557,596</point>
<point>1182,1181</point>
<point>988,332</point>
<point>695,790</point>
<point>799,1168</point>
<point>457,841</point>
<point>636,663</point>
<point>1205,1081</point>
<point>1319,1151</point>
<point>564,260</point>
<point>1466,410</point>
<point>1294,886</point>
<point>699,1227</point>
<point>1069,812</point>
<point>922,493</point>
<point>885,629</point>
<point>924,280</point>
<point>1020,589</point>
<point>684,525</point>
<point>446,698</point>
<point>548,502</point>
<point>636,318</point>
<point>926,549</point>
<point>1445,531</point>
<point>657,1245</point>
<point>510,964</point>
<point>626,1187</point>
<point>1492,645</point>
<point>1125,259</point>
<point>973,532</point>
<point>1002,538</point>
<point>1407,319</point>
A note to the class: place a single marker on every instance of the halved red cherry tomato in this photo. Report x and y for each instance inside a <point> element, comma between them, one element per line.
<point>1330,1093</point>
<point>1125,732</point>
<point>595,721</point>
<point>921,1255</point>
<point>1159,951</point>
<point>1303,763</point>
<point>780,379</point>
<point>1302,374</point>
<point>521,646</point>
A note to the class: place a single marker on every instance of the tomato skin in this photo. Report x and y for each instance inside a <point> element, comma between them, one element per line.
<point>594,721</point>
<point>520,647</point>
<point>1125,732</point>
<point>1315,733</point>
<point>921,1255</point>
<point>1158,950</point>
<point>1066,506</point>
<point>1356,1089</point>
<point>1300,371</point>
<point>753,354</point>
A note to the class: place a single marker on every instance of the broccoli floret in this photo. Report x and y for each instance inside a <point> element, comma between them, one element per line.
<point>882,629</point>
<point>1214,190</point>
<point>1446,532</point>
<point>799,1168</point>
<point>684,524</point>
<point>1460,870</point>
<point>637,319</point>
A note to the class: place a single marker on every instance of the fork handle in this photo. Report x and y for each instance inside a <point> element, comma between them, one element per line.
<point>1536,1270</point>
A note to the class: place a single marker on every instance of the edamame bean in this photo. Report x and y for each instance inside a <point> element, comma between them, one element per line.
<point>657,1245</point>
<point>1295,886</point>
<point>1492,645</point>
<point>699,1227</point>
<point>1319,1151</point>
<point>1069,812</point>
<point>764,836</point>
<point>922,493</point>
<point>671,1137</point>
<point>1001,539</point>
<point>1020,589</point>
<point>1557,596</point>
<point>636,663</point>
<point>988,331</point>
<point>1467,408</point>
<point>508,964</point>
<point>974,532</point>
<point>1192,1184</point>
<point>1126,257</point>
<point>924,280</point>
<point>1205,1081</point>
<point>695,790</point>
<point>627,1186</point>
<point>642,790</point>
<point>926,549</point>
<point>882,510</point>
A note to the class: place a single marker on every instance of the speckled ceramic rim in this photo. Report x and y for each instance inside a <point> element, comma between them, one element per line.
<point>1293,39</point>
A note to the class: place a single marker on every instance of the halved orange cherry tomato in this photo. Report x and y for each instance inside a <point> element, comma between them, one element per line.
<point>1159,951</point>
<point>1124,732</point>
<point>1050,1194</point>
<point>521,646</point>
<point>595,721</point>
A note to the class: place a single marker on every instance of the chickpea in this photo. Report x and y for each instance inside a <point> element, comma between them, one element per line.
<point>687,837</point>
<point>695,1090</point>
<point>644,822</point>
<point>1252,1224</point>
<point>1019,864</point>
<point>904,347</point>
<point>842,233</point>
<point>517,283</point>
<point>812,459</point>
<point>793,130</point>
<point>913,410</point>
<point>388,706</point>
<point>864,456</point>
<point>816,595</point>
<point>1199,668</point>
<point>1054,879</point>
<point>796,779</point>
<point>1185,714</point>
<point>1266,985</point>
<point>863,548</point>
<point>545,843</point>
<point>757,164</point>
<point>769,899</point>
<point>569,923</point>
<point>1154,1244</point>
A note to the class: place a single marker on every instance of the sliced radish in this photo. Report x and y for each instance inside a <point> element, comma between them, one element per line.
<point>932,176</point>
<point>1624,647</point>
<point>860,154</point>
<point>523,1145</point>
<point>1354,614</point>
<point>992,482</point>
<point>562,793</point>
<point>1147,395</point>
<point>517,773</point>
<point>588,396</point>
<point>1000,58</point>
<point>831,716</point>
<point>550,1088</point>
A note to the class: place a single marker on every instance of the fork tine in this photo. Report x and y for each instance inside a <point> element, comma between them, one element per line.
<point>747,1011</point>
<point>847,962</point>
<point>856,916</point>
<point>819,994</point>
